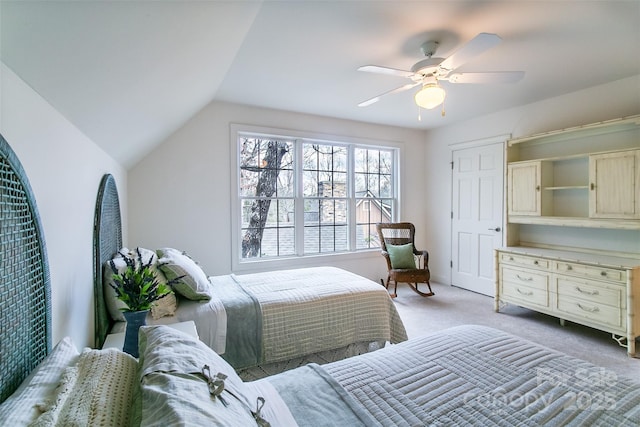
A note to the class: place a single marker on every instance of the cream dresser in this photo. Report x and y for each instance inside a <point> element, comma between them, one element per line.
<point>593,290</point>
<point>572,227</point>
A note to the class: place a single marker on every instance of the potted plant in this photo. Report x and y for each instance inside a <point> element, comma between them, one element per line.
<point>137,286</point>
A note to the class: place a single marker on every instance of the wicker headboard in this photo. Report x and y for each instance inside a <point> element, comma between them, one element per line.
<point>107,240</point>
<point>25,293</point>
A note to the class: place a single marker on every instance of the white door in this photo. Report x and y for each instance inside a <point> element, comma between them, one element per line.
<point>477,210</point>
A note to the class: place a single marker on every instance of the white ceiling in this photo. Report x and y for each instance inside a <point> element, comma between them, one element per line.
<point>128,73</point>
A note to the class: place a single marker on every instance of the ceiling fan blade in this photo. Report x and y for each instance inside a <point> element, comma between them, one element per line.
<point>489,77</point>
<point>385,70</point>
<point>479,44</point>
<point>396,90</point>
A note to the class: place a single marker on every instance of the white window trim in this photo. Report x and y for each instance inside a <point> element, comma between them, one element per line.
<point>298,261</point>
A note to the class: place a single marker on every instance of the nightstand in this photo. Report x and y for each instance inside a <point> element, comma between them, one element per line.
<point>117,340</point>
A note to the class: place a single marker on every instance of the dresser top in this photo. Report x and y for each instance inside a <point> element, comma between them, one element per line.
<point>633,261</point>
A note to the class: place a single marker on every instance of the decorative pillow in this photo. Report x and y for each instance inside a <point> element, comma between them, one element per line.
<point>96,392</point>
<point>401,256</point>
<point>114,305</point>
<point>187,277</point>
<point>174,390</point>
<point>165,306</point>
<point>21,407</point>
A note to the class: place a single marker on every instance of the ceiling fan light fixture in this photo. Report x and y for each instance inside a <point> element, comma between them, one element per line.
<point>430,96</point>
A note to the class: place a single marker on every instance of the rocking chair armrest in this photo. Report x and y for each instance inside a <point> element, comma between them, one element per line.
<point>421,253</point>
<point>386,256</point>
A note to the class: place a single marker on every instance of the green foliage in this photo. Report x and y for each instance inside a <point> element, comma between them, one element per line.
<point>137,286</point>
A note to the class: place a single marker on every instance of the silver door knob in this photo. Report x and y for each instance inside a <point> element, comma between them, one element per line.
<point>495,229</point>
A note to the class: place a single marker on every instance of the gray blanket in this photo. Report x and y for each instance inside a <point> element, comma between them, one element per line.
<point>469,375</point>
<point>244,325</point>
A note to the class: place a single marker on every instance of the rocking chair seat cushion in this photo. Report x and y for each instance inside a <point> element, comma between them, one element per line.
<point>401,256</point>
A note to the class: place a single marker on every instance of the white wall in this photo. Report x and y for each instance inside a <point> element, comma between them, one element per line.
<point>179,195</point>
<point>64,168</point>
<point>609,101</point>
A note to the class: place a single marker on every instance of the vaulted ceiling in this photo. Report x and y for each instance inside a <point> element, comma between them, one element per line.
<point>129,73</point>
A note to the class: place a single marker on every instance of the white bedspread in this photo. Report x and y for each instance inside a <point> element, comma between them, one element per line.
<point>309,310</point>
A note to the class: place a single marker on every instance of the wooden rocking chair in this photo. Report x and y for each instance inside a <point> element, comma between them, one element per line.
<point>398,248</point>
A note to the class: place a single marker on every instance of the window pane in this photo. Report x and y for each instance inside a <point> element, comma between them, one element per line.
<point>373,185</point>
<point>339,159</point>
<point>370,211</point>
<point>385,186</point>
<point>261,164</point>
<point>333,211</point>
<point>367,236</point>
<point>360,160</point>
<point>263,225</point>
<point>373,160</point>
<point>386,160</point>
<point>339,184</point>
<point>248,182</point>
<point>285,186</point>
<point>310,183</point>
<point>309,157</point>
<point>334,238</point>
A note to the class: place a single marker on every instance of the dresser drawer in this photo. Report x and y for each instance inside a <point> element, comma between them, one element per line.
<point>591,271</point>
<point>524,260</point>
<point>526,277</point>
<point>595,312</point>
<point>591,291</point>
<point>525,294</point>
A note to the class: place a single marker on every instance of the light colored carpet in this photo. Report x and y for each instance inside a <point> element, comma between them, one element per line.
<point>452,306</point>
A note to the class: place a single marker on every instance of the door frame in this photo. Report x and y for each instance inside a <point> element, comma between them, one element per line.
<point>497,139</point>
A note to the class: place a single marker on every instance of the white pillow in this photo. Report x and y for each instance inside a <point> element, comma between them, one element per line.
<point>22,407</point>
<point>114,305</point>
<point>194,284</point>
<point>97,391</point>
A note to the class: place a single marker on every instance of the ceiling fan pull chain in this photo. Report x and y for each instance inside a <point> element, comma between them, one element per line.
<point>419,114</point>
<point>443,112</point>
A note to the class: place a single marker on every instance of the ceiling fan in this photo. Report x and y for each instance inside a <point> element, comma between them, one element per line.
<point>432,70</point>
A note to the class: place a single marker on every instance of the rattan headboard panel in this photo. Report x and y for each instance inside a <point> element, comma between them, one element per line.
<point>107,240</point>
<point>25,299</point>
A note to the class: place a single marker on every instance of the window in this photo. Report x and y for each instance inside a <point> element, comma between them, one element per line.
<point>304,197</point>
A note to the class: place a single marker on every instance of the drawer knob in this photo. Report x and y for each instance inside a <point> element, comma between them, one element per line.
<point>569,267</point>
<point>603,273</point>
<point>535,262</point>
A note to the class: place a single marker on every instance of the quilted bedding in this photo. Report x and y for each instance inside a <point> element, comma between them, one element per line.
<point>469,375</point>
<point>274,320</point>
<point>309,310</point>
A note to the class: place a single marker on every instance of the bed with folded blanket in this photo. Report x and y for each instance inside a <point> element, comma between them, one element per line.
<point>468,375</point>
<point>261,323</point>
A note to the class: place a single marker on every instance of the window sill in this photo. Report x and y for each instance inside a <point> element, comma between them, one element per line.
<point>260,265</point>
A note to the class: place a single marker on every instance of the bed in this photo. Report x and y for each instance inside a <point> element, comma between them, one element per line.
<point>261,323</point>
<point>468,375</point>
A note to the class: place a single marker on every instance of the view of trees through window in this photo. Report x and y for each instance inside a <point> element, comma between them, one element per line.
<point>301,197</point>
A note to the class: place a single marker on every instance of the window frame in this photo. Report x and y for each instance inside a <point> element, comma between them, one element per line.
<point>299,259</point>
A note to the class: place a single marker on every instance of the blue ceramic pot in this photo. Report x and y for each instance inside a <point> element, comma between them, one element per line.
<point>134,319</point>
